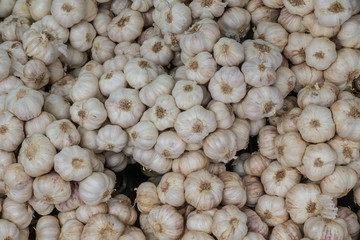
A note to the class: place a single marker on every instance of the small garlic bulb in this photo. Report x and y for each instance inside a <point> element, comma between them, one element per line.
<point>51,188</point>
<point>62,133</point>
<point>8,84</point>
<point>318,228</point>
<point>171,189</point>
<point>40,206</point>
<point>332,13</point>
<point>258,73</point>
<point>147,197</point>
<point>111,138</point>
<point>132,233</point>
<point>85,87</point>
<point>63,87</point>
<point>128,49</point>
<point>47,227</point>
<point>323,94</point>
<point>96,188</point>
<point>200,220</point>
<point>220,146</point>
<point>110,81</point>
<point>170,145</point>
<point>200,68</point>
<point>164,113</point>
<point>103,226</point>
<point>285,230</point>
<point>140,72</point>
<point>203,190</point>
<point>255,164</point>
<point>241,129</point>
<point>259,49</point>
<point>189,162</point>
<point>339,182</point>
<point>68,12</point>
<point>6,8</point>
<point>74,200</point>
<point>316,124</point>
<point>25,103</point>
<point>155,50</point>
<point>272,210</point>
<point>319,161</point>
<point>349,33</point>
<point>143,135</point>
<point>266,141</point>
<point>11,131</point>
<point>203,9</point>
<point>254,190</point>
<point>19,213</point>
<point>126,26</point>
<point>102,49</point>
<point>227,85</point>
<point>351,220</point>
<point>299,7</point>
<point>254,222</point>
<point>162,84</point>
<point>295,48</point>
<point>121,207</point>
<point>306,75</point>
<point>234,192</point>
<point>320,53</point>
<point>194,124</point>
<point>71,229</point>
<point>347,150</point>
<point>82,35</point>
<point>6,158</point>
<point>196,235</point>
<point>312,24</point>
<point>8,230</point>
<point>273,33</point>
<point>187,94</point>
<point>92,67</point>
<point>151,160</point>
<point>84,212</point>
<point>228,52</point>
<point>235,23</point>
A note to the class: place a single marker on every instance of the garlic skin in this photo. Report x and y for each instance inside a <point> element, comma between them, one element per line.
<point>315,124</point>
<point>25,103</point>
<point>229,222</point>
<point>290,148</point>
<point>35,75</point>
<point>164,113</point>
<point>73,163</point>
<point>103,226</point>
<point>194,124</point>
<point>234,192</point>
<point>200,68</point>
<point>288,229</point>
<point>272,209</point>
<point>62,106</point>
<point>8,84</point>
<point>348,35</point>
<point>351,220</point>
<point>228,52</point>
<point>319,161</point>
<point>255,163</point>
<point>266,141</point>
<point>121,207</point>
<point>84,212</point>
<point>201,9</point>
<point>111,138</point>
<point>37,155</point>
<point>92,67</point>
<point>71,229</point>
<point>47,227</point>
<point>306,75</point>
<point>6,63</point>
<point>132,233</point>
<point>22,9</point>
<point>241,129</point>
<point>85,87</point>
<point>8,230</point>
<point>73,201</point>
<point>150,159</point>
<point>102,49</point>
<point>200,221</point>
<point>254,223</point>
<point>346,150</point>
<point>143,135</point>
<point>96,188</point>
<point>187,94</point>
<point>155,50</point>
<point>320,53</point>
<point>63,87</point>
<point>227,85</point>
<point>166,222</point>
<point>346,127</point>
<point>196,235</point>
<point>189,162</point>
<point>62,133</point>
<point>45,189</point>
<point>140,71</point>
<point>302,202</point>
<point>261,102</point>
<point>169,145</point>
<point>110,81</point>
<point>312,24</point>
<point>6,158</point>
<point>101,21</point>
<point>128,49</point>
<point>13,27</point>
<point>254,190</point>
<point>126,26</point>
<point>296,45</point>
<point>235,23</point>
<point>258,73</point>
<point>323,94</point>
<point>291,22</point>
<point>11,131</point>
<point>82,35</point>
<point>332,13</point>
<point>223,112</point>
<point>278,180</point>
<point>162,84</point>
<point>6,8</point>
<point>340,182</point>
<point>171,189</point>
<point>20,214</point>
<point>201,185</point>
<point>147,197</point>
<point>39,9</point>
<point>220,146</point>
<point>318,227</point>
<point>273,33</point>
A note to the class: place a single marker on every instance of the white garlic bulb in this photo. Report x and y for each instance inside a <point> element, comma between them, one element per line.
<point>121,207</point>
<point>228,52</point>
<point>290,148</point>
<point>272,209</point>
<point>111,138</point>
<point>71,229</point>
<point>187,94</point>
<point>162,84</point>
<point>300,8</point>
<point>332,13</point>
<point>273,33</point>
<point>316,29</point>
<point>190,162</point>
<point>318,227</point>
<point>140,71</point>
<point>6,158</point>
<point>68,12</point>
<point>102,49</point>
<point>288,229</point>
<point>169,145</point>
<point>262,50</point>
<point>235,23</point>
<point>164,113</point>
<point>8,84</point>
<point>306,75</point>
<point>200,220</point>
<point>155,50</point>
<point>110,81</point>
<point>339,182</point>
<point>19,213</point>
<point>234,192</point>
<point>320,53</point>
<point>62,133</point>
<point>351,220</point>
<point>11,131</point>
<point>103,226</point>
<point>347,150</point>
<point>84,212</point>
<point>255,163</point>
<point>171,189</point>
<point>96,188</point>
<point>8,230</point>
<point>254,190</point>
<point>82,35</point>
<point>200,68</point>
<point>150,159</point>
<point>201,9</point>
<point>220,146</point>
<point>349,33</point>
<point>47,227</point>
<point>266,141</point>
<point>223,112</point>
<point>147,197</point>
<point>258,73</point>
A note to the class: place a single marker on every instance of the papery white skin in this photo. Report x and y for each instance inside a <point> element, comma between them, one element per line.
<point>9,83</point>
<point>306,75</point>
<point>63,87</point>
<point>20,214</point>
<point>171,189</point>
<point>295,48</point>
<point>118,5</point>
<point>102,49</point>
<point>169,145</point>
<point>93,67</point>
<point>201,9</point>
<point>22,9</point>
<point>235,23</point>
<point>140,71</point>
<point>223,112</point>
<point>152,160</point>
<point>129,49</point>
<point>291,22</point>
<point>121,207</point>
<point>25,103</point>
<point>103,226</point>
<point>319,161</point>
<point>346,150</point>
<point>73,201</point>
<point>8,230</point>
<point>351,220</point>
<point>272,209</point>
<point>273,33</point>
<point>318,227</point>
<point>88,138</point>
<point>200,68</point>
<point>299,8</point>
<point>187,94</point>
<point>5,63</point>
<point>234,192</point>
<point>68,12</point>
<point>102,20</point>
<point>266,141</point>
<point>6,158</point>
<point>340,182</point>
<point>227,85</point>
<point>228,52</point>
<point>241,129</point>
<point>200,221</point>
<point>195,124</point>
<point>255,163</point>
<point>110,81</point>
<point>85,87</point>
<point>72,229</point>
<point>196,235</point>
<point>323,94</point>
<point>82,35</point>
<point>290,148</point>
<point>311,23</point>
<point>220,146</point>
<point>143,135</point>
<point>11,131</point>
<point>116,161</point>
<point>258,73</point>
<point>13,27</point>
<point>39,9</point>
<point>147,34</point>
<point>155,50</point>
<point>96,188</point>
<point>164,113</point>
<point>58,106</point>
<point>147,197</point>
<point>116,63</point>
<point>62,133</point>
<point>173,41</point>
<point>320,53</point>
<point>190,162</point>
<point>254,190</point>
<point>286,229</point>
<point>349,33</point>
<point>65,216</point>
<point>111,138</point>
<point>6,8</point>
<point>332,13</point>
<point>162,84</point>
<point>40,206</point>
<point>84,212</point>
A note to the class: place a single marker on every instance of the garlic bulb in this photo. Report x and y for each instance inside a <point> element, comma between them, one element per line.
<point>312,24</point>
<point>255,164</point>
<point>11,131</point>
<point>164,113</point>
<point>241,129</point>
<point>155,50</point>
<point>111,138</point>
<point>20,214</point>
<point>315,124</point>
<point>332,13</point>
<point>299,7</point>
<point>128,49</point>
<point>228,52</point>
<point>85,212</point>
<point>6,8</point>
<point>318,227</point>
<point>151,160</point>
<point>194,124</point>
<point>189,162</point>
<point>323,94</point>
<point>103,226</point>
<point>290,149</point>
<point>258,73</point>
<point>25,103</point>
<point>57,106</point>
<point>6,63</point>
<point>320,53</point>
<point>101,21</point>
<point>200,68</point>
<point>302,202</point>
<point>39,9</point>
<point>220,146</point>
<point>92,67</point>
<point>273,33</point>
<point>121,207</point>
<point>68,12</point>
<point>349,33</point>
<point>126,26</point>
<point>201,9</point>
<point>288,229</point>
<point>72,229</point>
<point>295,48</point>
<point>149,33</point>
<point>51,188</point>
<point>262,50</point>
<point>73,201</point>
<point>66,216</point>
<point>162,84</point>
<point>346,127</point>
<point>319,161</point>
<point>47,227</point>
<point>266,141</point>
<point>169,145</point>
<point>346,150</point>
<point>6,158</point>
<point>63,87</point>
<point>254,190</point>
<point>171,189</point>
<point>306,75</point>
<point>187,94</point>
<point>254,222</point>
<point>140,71</point>
<point>37,155</point>
<point>339,182</point>
<point>351,220</point>
<point>110,81</point>
<point>143,135</point>
<point>85,87</point>
<point>227,85</point>
<point>272,210</point>
<point>96,188</point>
<point>8,84</point>
<point>203,190</point>
<point>200,220</point>
<point>278,180</point>
<point>82,35</point>
<point>223,112</point>
<point>147,197</point>
<point>132,233</point>
<point>234,192</point>
<point>62,133</point>
<point>102,49</point>
<point>253,236</point>
<point>8,230</point>
<point>13,27</point>
<point>235,23</point>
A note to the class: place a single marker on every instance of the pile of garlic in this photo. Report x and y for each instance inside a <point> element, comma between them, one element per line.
<point>179,87</point>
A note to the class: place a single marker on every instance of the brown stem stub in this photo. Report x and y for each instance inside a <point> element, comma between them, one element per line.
<point>310,207</point>
<point>125,105</point>
<point>336,7</point>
